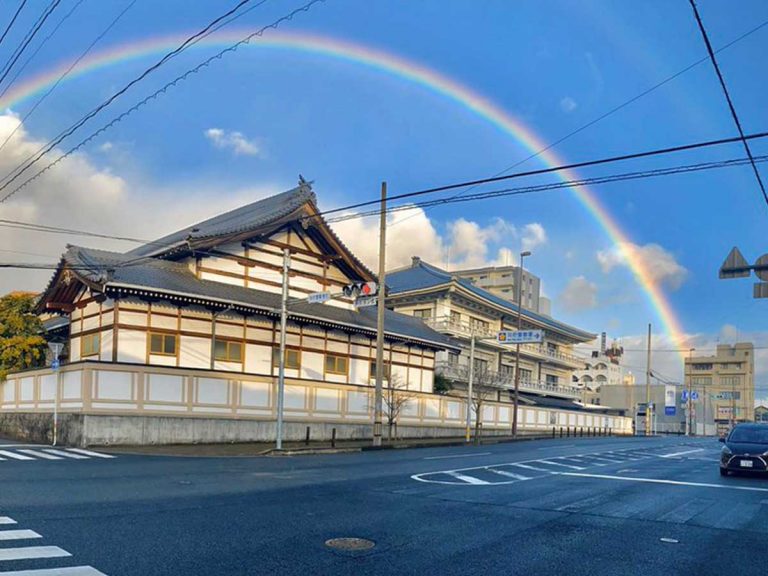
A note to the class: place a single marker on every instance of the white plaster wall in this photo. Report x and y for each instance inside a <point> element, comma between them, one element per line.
<point>131,346</point>
<point>48,387</point>
<point>194,352</point>
<point>106,345</point>
<point>359,371</point>
<point>212,391</point>
<point>164,388</point>
<point>312,365</point>
<point>255,394</point>
<point>258,359</point>
<point>71,386</point>
<point>115,385</point>
<point>327,399</point>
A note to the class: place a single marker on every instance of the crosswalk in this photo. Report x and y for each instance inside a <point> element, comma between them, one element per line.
<point>512,472</point>
<point>9,453</point>
<point>19,551</point>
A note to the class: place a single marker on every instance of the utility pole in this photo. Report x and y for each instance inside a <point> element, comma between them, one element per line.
<point>56,348</point>
<point>517,346</point>
<point>281,362</point>
<point>470,382</point>
<point>689,402</point>
<point>648,386</point>
<point>377,410</point>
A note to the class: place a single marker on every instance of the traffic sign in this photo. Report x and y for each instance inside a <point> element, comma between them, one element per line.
<point>55,364</point>
<point>694,395</point>
<point>684,395</point>
<point>318,297</point>
<point>519,336</point>
<point>670,410</point>
<point>735,265</point>
<point>366,301</point>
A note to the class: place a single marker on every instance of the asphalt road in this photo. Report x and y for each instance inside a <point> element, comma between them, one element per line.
<point>597,506</point>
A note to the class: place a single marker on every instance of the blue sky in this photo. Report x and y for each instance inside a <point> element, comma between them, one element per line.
<point>249,124</point>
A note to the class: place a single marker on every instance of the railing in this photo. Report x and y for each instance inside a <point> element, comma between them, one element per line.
<point>460,373</point>
<point>446,324</point>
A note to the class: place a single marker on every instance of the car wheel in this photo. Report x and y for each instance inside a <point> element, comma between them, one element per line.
<point>723,472</point>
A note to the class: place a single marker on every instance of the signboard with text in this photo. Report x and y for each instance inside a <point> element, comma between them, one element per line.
<point>520,336</point>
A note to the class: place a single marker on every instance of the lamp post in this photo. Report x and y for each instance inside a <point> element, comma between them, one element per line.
<point>517,346</point>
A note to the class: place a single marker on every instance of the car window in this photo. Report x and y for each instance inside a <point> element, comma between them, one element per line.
<point>752,435</point>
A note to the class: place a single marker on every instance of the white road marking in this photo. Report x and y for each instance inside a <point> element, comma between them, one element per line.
<point>6,520</point>
<point>15,456</point>
<point>18,534</point>
<point>66,454</point>
<point>40,454</point>
<point>71,571</point>
<point>467,479</point>
<point>100,455</point>
<point>508,474</point>
<point>428,458</point>
<point>611,460</point>
<point>558,446</point>
<point>682,453</point>
<point>31,552</point>
<point>563,465</point>
<point>530,467</point>
<point>661,481</point>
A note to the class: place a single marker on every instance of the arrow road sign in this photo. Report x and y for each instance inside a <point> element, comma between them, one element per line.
<point>519,336</point>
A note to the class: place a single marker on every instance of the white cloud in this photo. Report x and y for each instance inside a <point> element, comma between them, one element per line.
<point>77,194</point>
<point>658,262</point>
<point>106,147</point>
<point>579,294</point>
<point>465,243</point>
<point>234,141</point>
<point>568,104</point>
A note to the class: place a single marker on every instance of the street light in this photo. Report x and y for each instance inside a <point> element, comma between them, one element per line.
<point>517,346</point>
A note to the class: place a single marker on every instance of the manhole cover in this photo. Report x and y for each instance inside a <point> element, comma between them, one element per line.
<point>352,544</point>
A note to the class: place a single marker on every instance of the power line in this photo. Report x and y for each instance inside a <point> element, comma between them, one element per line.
<point>28,38</point>
<point>608,160</point>
<point>618,107</point>
<point>29,226</point>
<point>552,186</point>
<point>34,158</point>
<point>40,46</point>
<point>234,47</point>
<point>728,99</point>
<point>10,24</point>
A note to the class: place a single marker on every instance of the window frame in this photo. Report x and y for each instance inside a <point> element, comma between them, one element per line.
<point>288,351</point>
<point>227,356</point>
<point>387,370</point>
<point>335,371</point>
<point>91,336</point>
<point>164,336</point>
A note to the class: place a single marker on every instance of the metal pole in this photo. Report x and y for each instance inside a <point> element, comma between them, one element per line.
<point>516,397</point>
<point>377,413</point>
<point>56,408</point>
<point>688,404</point>
<point>281,362</point>
<point>469,384</point>
<point>648,386</point>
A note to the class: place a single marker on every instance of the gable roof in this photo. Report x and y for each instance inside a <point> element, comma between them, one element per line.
<point>175,282</point>
<point>423,276</point>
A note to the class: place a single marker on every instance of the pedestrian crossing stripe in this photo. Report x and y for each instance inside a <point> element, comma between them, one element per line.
<point>42,453</point>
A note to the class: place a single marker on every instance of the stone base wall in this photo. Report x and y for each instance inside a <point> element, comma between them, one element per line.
<point>37,428</point>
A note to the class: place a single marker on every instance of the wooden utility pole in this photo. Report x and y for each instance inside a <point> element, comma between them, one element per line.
<point>377,410</point>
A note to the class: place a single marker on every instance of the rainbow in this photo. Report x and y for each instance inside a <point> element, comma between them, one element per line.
<point>403,69</point>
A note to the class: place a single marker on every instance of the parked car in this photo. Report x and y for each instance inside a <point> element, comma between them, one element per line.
<point>745,450</point>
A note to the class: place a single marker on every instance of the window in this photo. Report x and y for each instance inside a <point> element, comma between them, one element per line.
<point>423,313</point>
<point>386,369</point>
<point>90,344</point>
<point>453,359</point>
<point>336,364</point>
<point>552,349</point>
<point>481,365</point>
<point>478,325</point>
<point>525,375</point>
<point>551,379</point>
<point>227,351</point>
<point>162,344</point>
<point>292,358</point>
<point>507,370</point>
<point>455,317</point>
<point>702,366</point>
<point>700,381</point>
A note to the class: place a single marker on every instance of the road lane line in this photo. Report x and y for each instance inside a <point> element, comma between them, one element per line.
<point>6,520</point>
<point>32,552</point>
<point>563,465</point>
<point>681,453</point>
<point>428,458</point>
<point>467,479</point>
<point>14,455</point>
<point>71,571</point>
<point>66,454</point>
<point>41,454</point>
<point>508,474</point>
<point>661,481</point>
<point>18,535</point>
<point>100,455</point>
<point>531,467</point>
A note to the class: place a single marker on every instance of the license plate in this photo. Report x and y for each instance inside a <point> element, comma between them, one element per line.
<point>745,463</point>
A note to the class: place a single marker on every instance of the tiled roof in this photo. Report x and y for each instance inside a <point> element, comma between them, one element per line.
<point>124,273</point>
<point>249,217</point>
<point>422,276</point>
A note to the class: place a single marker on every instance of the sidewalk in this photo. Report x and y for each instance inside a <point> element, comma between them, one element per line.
<point>298,448</point>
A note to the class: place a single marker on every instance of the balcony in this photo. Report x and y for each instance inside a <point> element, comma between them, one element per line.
<point>460,373</point>
<point>447,325</point>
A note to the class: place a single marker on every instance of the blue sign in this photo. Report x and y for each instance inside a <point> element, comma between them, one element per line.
<point>55,364</point>
<point>685,395</point>
<point>694,395</point>
<point>670,410</point>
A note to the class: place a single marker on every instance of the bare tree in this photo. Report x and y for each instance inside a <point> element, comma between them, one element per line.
<point>485,387</point>
<point>395,398</point>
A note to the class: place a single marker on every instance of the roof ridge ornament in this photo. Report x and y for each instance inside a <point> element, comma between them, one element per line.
<point>305,185</point>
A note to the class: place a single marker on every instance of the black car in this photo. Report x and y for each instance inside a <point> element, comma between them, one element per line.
<point>745,450</point>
